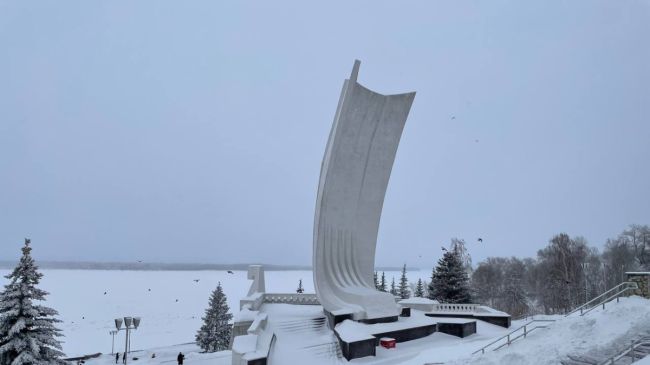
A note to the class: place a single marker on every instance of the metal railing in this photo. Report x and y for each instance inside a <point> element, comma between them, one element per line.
<point>602,299</point>
<point>630,351</point>
<point>520,332</point>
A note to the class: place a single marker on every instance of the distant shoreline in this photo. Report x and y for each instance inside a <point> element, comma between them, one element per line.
<point>156,266</point>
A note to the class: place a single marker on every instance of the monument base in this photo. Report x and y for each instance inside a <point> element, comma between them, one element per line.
<point>358,339</point>
<point>460,329</point>
<point>334,319</point>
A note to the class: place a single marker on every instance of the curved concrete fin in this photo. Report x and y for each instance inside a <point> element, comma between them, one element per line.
<point>354,176</point>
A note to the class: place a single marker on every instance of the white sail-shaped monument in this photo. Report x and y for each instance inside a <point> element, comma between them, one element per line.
<point>354,176</point>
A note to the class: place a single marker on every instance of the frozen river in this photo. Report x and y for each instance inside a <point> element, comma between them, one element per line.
<point>170,303</point>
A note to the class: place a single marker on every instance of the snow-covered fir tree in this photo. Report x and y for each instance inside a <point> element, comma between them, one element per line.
<point>419,289</point>
<point>28,335</point>
<point>449,280</point>
<point>382,284</point>
<point>300,289</point>
<point>214,334</point>
<point>404,291</point>
<point>393,289</point>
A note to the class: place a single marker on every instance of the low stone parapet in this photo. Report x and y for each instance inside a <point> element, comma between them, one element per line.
<point>291,298</point>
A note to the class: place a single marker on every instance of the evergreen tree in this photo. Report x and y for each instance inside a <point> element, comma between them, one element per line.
<point>404,292</point>
<point>425,286</point>
<point>393,290</point>
<point>214,334</point>
<point>27,330</point>
<point>382,285</point>
<point>376,281</point>
<point>300,289</point>
<point>419,289</point>
<point>449,281</point>
<point>430,285</point>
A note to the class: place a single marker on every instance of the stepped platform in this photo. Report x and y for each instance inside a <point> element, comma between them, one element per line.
<point>358,339</point>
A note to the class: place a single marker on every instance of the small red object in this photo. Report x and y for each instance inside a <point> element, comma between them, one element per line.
<point>387,342</point>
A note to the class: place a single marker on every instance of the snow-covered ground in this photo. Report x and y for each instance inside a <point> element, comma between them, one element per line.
<point>599,334</point>
<point>168,326</point>
<point>88,313</point>
<point>167,355</point>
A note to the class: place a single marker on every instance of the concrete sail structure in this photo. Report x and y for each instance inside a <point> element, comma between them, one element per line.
<point>354,176</point>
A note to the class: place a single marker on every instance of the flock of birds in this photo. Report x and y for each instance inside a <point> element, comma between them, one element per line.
<point>194,280</point>
<point>479,240</point>
<point>149,289</point>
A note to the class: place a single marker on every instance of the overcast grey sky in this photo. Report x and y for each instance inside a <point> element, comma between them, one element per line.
<point>194,131</point>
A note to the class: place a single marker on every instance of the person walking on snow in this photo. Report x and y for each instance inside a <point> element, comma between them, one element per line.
<point>117,357</point>
<point>180,358</point>
<point>124,358</point>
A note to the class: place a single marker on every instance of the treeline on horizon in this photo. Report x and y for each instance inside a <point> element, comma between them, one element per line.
<point>565,274</point>
<point>158,266</point>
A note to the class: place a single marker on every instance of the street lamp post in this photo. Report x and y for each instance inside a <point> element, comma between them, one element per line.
<point>113,333</point>
<point>130,323</point>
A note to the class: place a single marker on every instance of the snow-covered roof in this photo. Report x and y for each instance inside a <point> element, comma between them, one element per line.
<point>351,331</point>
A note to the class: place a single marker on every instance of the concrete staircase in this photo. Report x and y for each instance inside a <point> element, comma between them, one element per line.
<point>611,295</point>
<point>637,350</point>
<point>301,341</point>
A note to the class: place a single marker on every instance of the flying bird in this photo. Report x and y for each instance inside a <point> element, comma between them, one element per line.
<point>443,248</point>
<point>176,300</point>
<point>196,280</point>
<point>453,117</point>
<point>230,272</point>
<point>104,293</point>
<point>480,239</point>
